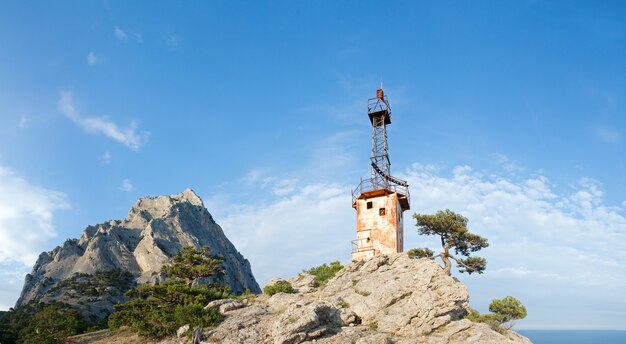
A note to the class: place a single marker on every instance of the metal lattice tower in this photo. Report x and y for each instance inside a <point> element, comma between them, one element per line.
<point>379,113</point>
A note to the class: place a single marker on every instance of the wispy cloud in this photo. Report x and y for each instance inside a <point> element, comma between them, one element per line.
<point>92,60</point>
<point>127,136</point>
<point>23,123</point>
<point>609,135</point>
<point>124,35</point>
<point>105,159</point>
<point>126,186</point>
<point>171,40</point>
<point>120,34</point>
<point>26,214</point>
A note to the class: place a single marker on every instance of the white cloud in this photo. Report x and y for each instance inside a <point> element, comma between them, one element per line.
<point>26,213</point>
<point>309,226</point>
<point>12,274</point>
<point>123,35</point>
<point>609,135</point>
<point>120,34</point>
<point>127,136</point>
<point>126,186</point>
<point>171,40</point>
<point>546,248</point>
<point>105,159</point>
<point>92,60</point>
<point>24,121</point>
<point>26,229</point>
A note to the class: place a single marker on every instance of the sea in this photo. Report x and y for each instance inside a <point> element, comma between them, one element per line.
<point>574,336</point>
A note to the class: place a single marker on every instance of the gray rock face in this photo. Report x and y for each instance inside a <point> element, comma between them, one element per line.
<point>387,299</point>
<point>154,230</point>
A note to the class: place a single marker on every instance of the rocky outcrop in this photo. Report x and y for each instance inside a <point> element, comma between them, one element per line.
<point>387,299</point>
<point>154,230</point>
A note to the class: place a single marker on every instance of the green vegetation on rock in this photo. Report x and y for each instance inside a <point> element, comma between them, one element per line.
<point>325,272</point>
<point>98,284</point>
<point>41,323</point>
<point>278,287</point>
<point>416,253</point>
<point>158,310</point>
<point>504,313</point>
<point>191,264</point>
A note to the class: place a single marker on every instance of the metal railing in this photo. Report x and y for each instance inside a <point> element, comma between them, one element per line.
<point>360,248</point>
<point>367,185</point>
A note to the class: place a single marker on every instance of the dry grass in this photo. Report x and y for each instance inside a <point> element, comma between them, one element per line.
<point>122,336</point>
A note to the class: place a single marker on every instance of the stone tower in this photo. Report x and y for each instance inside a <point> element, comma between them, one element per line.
<point>380,199</point>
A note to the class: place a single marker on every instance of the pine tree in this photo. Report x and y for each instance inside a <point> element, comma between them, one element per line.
<point>158,310</point>
<point>452,229</point>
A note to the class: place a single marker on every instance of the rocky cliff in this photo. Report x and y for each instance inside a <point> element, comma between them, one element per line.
<point>154,230</point>
<point>383,300</point>
<point>387,299</point>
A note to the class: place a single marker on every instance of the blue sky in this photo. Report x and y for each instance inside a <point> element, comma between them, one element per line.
<point>509,112</point>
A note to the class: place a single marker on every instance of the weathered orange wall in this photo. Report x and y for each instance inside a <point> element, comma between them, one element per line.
<point>385,231</point>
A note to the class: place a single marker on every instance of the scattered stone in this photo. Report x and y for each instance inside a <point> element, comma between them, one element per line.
<point>377,338</point>
<point>225,305</point>
<point>304,283</point>
<point>182,330</point>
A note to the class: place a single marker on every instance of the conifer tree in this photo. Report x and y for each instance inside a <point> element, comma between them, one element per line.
<point>191,264</point>
<point>452,229</point>
<point>158,310</point>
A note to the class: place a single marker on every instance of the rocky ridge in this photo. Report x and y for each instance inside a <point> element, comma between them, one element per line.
<point>154,230</point>
<point>387,299</point>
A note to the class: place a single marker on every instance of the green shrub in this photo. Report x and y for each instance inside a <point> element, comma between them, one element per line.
<point>505,311</point>
<point>279,287</point>
<point>96,284</point>
<point>196,316</point>
<point>325,272</point>
<point>416,253</point>
<point>53,324</point>
<point>41,323</point>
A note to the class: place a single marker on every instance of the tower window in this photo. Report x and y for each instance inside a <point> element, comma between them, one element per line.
<point>381,211</point>
<point>369,205</point>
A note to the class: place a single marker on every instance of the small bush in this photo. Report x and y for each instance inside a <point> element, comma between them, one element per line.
<point>196,316</point>
<point>280,287</point>
<point>416,253</point>
<point>505,311</point>
<point>325,272</point>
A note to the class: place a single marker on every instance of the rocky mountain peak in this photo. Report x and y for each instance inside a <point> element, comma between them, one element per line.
<point>155,229</point>
<point>160,206</point>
